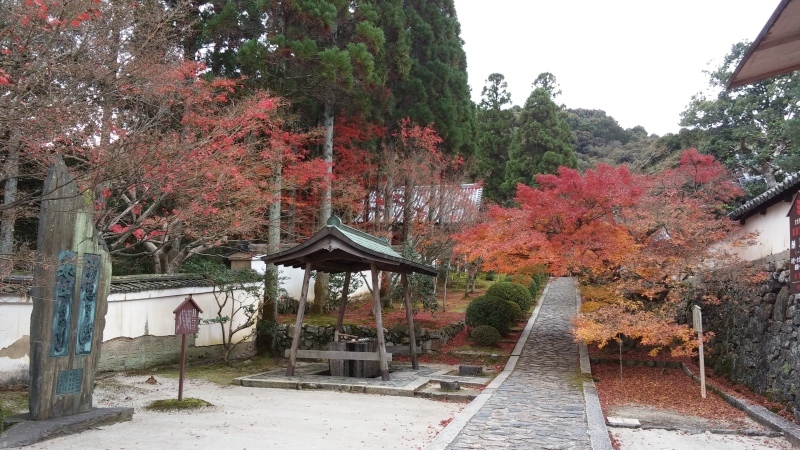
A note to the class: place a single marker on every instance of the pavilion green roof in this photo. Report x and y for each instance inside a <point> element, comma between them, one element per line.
<point>339,248</point>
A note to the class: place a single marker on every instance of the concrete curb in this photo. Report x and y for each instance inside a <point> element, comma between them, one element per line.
<point>598,431</point>
<point>446,436</point>
<point>791,431</point>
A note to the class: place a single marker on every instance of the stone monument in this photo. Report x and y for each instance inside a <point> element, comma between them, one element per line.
<point>71,283</point>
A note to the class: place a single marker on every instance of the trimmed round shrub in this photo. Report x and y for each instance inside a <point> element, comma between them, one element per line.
<point>485,335</point>
<point>533,288</point>
<point>518,313</point>
<point>493,311</point>
<point>513,292</point>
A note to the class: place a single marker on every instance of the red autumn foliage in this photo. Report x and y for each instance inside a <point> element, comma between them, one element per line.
<point>641,235</point>
<point>199,176</point>
<point>668,389</point>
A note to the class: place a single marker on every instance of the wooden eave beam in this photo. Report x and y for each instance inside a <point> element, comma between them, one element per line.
<point>776,41</point>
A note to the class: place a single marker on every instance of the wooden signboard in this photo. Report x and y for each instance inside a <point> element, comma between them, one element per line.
<point>794,247</point>
<point>187,319</point>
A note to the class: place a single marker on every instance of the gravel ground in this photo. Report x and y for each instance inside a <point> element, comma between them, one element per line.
<point>676,440</point>
<point>253,418</point>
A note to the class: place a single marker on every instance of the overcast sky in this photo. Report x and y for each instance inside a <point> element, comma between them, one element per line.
<point>639,60</point>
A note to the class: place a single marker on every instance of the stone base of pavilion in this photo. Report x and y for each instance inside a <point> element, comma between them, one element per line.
<point>28,432</point>
<point>405,382</point>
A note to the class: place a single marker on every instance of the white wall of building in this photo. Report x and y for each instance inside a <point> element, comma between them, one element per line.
<point>135,314</point>
<point>130,314</point>
<point>772,231</point>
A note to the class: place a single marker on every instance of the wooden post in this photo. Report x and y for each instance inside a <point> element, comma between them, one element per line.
<point>376,295</point>
<point>412,339</point>
<point>342,306</point>
<point>298,325</point>
<point>446,279</point>
<point>187,320</point>
<point>702,367</point>
<point>697,321</point>
<point>183,367</point>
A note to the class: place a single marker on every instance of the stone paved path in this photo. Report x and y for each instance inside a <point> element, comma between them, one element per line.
<point>541,404</point>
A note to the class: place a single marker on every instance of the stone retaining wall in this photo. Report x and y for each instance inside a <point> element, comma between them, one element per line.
<point>143,352</point>
<point>756,334</point>
<point>315,337</point>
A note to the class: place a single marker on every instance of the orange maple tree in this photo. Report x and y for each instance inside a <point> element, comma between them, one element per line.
<point>641,236</point>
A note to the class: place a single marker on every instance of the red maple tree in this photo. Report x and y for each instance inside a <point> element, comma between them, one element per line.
<point>201,173</point>
<point>639,235</point>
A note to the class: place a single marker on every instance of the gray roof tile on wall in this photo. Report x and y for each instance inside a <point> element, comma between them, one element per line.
<point>790,184</point>
<point>19,284</point>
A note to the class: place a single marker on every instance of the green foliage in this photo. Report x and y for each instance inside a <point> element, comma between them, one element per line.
<point>495,130</point>
<point>542,143</point>
<point>752,129</point>
<point>533,287</point>
<point>513,292</point>
<point>222,277</point>
<point>593,128</point>
<point>538,282</point>
<point>421,286</point>
<point>485,335</point>
<point>237,293</point>
<point>435,88</point>
<point>336,286</point>
<point>498,313</point>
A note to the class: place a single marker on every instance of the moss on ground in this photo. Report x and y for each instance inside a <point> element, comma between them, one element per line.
<point>14,402</point>
<point>221,373</point>
<point>173,404</point>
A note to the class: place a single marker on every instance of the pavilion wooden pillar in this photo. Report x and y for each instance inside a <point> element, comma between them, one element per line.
<point>412,338</point>
<point>298,325</point>
<point>376,295</point>
<point>342,306</point>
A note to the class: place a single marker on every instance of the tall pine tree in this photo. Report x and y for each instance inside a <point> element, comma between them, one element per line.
<point>495,130</point>
<point>543,142</point>
<point>435,89</point>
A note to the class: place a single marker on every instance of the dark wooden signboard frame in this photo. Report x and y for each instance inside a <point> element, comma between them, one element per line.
<point>187,320</point>
<point>794,246</point>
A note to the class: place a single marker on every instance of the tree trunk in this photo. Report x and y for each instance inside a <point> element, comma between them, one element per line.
<point>9,216</point>
<point>408,211</point>
<point>327,156</point>
<point>321,281</point>
<point>768,173</point>
<point>265,339</point>
<point>388,195</point>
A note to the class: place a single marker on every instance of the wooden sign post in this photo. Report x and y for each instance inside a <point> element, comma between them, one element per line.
<point>187,319</point>
<point>697,318</point>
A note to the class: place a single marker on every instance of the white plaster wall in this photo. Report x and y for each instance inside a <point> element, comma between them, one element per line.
<point>151,313</point>
<point>136,314</point>
<point>129,314</point>
<point>773,233</point>
<point>15,319</point>
<point>291,279</point>
<point>15,322</point>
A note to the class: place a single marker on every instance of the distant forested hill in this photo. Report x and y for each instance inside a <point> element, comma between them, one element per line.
<point>600,139</point>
